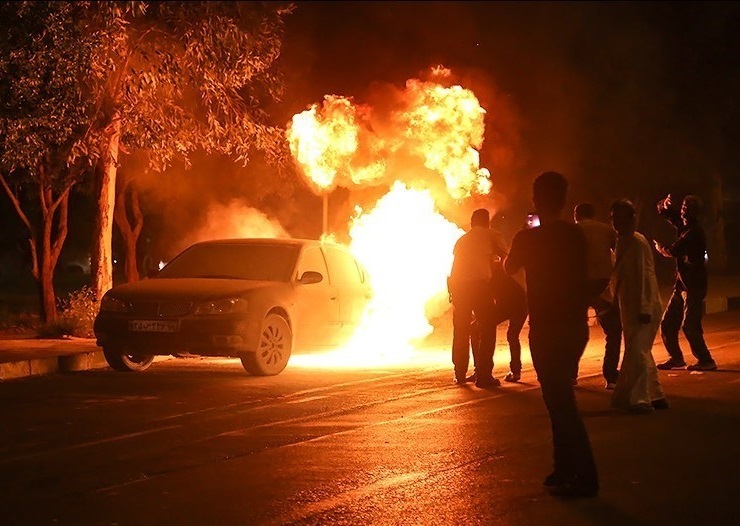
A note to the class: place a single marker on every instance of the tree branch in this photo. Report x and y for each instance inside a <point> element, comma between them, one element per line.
<point>17,206</point>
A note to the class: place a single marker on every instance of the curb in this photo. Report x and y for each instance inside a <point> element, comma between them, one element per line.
<point>67,363</point>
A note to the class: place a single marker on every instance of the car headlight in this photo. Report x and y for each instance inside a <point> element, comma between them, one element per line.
<point>111,304</point>
<point>225,306</point>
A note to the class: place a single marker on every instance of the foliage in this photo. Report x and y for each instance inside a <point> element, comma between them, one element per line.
<point>42,97</point>
<point>76,316</point>
<point>184,76</point>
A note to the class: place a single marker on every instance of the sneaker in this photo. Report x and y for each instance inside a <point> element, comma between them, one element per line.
<point>574,491</point>
<point>471,378</point>
<point>659,404</point>
<point>552,480</point>
<point>512,377</point>
<point>610,386</point>
<point>457,380</point>
<point>485,383</point>
<point>703,366</point>
<point>671,363</point>
<point>640,409</point>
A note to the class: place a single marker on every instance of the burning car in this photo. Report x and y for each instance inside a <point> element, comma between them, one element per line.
<point>253,299</point>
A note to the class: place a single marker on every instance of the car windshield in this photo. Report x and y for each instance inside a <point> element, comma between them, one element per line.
<point>259,261</point>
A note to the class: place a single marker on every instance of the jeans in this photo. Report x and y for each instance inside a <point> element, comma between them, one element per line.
<point>685,314</point>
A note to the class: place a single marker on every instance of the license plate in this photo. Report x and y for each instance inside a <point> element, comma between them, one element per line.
<point>153,326</point>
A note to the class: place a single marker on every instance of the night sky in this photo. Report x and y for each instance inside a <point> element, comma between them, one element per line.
<point>627,99</point>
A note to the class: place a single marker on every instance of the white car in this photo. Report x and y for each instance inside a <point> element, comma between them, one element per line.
<point>255,299</point>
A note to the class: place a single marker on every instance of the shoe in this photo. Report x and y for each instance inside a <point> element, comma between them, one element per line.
<point>485,383</point>
<point>671,363</point>
<point>640,409</point>
<point>472,378</point>
<point>512,377</point>
<point>659,404</point>
<point>459,380</point>
<point>552,480</point>
<point>574,491</point>
<point>610,386</point>
<point>575,381</point>
<point>703,366</point>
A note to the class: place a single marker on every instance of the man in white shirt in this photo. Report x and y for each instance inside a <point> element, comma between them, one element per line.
<point>469,287</point>
<point>600,242</point>
<point>636,288</point>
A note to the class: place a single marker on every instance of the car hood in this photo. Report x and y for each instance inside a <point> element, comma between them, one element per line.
<point>188,289</point>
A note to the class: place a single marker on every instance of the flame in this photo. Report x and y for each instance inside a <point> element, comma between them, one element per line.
<point>423,147</point>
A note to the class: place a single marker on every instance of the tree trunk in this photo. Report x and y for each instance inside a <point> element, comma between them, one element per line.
<point>129,220</point>
<point>101,269</point>
<point>46,249</point>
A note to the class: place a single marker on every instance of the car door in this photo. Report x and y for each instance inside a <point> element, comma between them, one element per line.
<point>350,279</point>
<point>316,308</point>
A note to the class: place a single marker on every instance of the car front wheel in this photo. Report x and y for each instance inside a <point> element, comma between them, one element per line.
<point>273,350</point>
<point>121,360</point>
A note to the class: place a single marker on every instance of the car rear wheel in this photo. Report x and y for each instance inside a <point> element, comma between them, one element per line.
<point>273,350</point>
<point>121,360</point>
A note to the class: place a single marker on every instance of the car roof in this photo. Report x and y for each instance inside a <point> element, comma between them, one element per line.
<point>268,241</point>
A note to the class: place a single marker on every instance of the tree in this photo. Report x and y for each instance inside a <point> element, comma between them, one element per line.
<point>172,78</point>
<point>42,115</point>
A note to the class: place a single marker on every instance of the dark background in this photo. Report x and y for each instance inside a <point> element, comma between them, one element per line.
<point>627,99</point>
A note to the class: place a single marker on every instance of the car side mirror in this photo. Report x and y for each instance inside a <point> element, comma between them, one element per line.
<point>309,277</point>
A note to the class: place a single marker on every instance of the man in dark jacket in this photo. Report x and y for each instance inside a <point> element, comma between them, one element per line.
<point>689,250</point>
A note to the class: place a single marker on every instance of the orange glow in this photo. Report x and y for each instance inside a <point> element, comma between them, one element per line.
<point>423,146</point>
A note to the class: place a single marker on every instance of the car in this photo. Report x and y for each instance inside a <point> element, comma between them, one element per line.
<point>253,299</point>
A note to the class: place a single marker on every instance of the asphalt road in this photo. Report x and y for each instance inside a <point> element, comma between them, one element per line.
<point>197,441</point>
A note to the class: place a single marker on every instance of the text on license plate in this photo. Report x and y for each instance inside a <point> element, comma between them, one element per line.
<point>153,326</point>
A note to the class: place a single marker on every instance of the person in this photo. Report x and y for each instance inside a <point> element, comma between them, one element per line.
<point>635,286</point>
<point>468,285</point>
<point>553,256</point>
<point>689,250</point>
<point>510,303</point>
<point>600,243</point>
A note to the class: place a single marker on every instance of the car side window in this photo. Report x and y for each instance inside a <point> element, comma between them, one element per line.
<point>343,268</point>
<point>312,259</point>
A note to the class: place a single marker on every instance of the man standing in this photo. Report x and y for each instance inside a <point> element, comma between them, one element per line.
<point>469,288</point>
<point>553,256</point>
<point>689,249</point>
<point>636,288</point>
<point>600,242</point>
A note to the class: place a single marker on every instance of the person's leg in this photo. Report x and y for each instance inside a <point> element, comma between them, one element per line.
<point>573,459</point>
<point>516,322</point>
<point>461,318</point>
<point>610,322</point>
<point>692,328</point>
<point>475,340</point>
<point>669,327</point>
<point>485,314</point>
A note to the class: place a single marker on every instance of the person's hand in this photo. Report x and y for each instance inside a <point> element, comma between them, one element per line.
<point>644,319</point>
<point>665,204</point>
<point>661,250</point>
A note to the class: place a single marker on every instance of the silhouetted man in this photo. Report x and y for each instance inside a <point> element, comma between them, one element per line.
<point>689,249</point>
<point>468,285</point>
<point>510,303</point>
<point>636,288</point>
<point>553,256</point>
<point>600,242</point>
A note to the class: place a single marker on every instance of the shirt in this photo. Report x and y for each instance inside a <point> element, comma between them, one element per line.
<point>635,283</point>
<point>553,256</point>
<point>473,256</point>
<point>689,249</point>
<point>600,241</point>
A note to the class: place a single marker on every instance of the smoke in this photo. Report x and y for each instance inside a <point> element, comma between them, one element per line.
<point>234,220</point>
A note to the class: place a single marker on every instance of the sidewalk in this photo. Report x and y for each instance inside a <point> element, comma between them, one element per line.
<point>24,357</point>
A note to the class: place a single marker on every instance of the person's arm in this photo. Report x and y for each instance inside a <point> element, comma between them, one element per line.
<point>498,245</point>
<point>669,212</point>
<point>514,260</point>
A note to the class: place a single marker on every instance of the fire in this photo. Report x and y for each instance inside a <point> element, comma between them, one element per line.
<point>424,147</point>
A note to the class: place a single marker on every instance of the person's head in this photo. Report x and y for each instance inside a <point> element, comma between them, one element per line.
<point>480,217</point>
<point>623,217</point>
<point>690,209</point>
<point>548,194</point>
<point>583,211</point>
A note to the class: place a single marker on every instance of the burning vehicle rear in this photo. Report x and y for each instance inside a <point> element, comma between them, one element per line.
<point>253,299</point>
